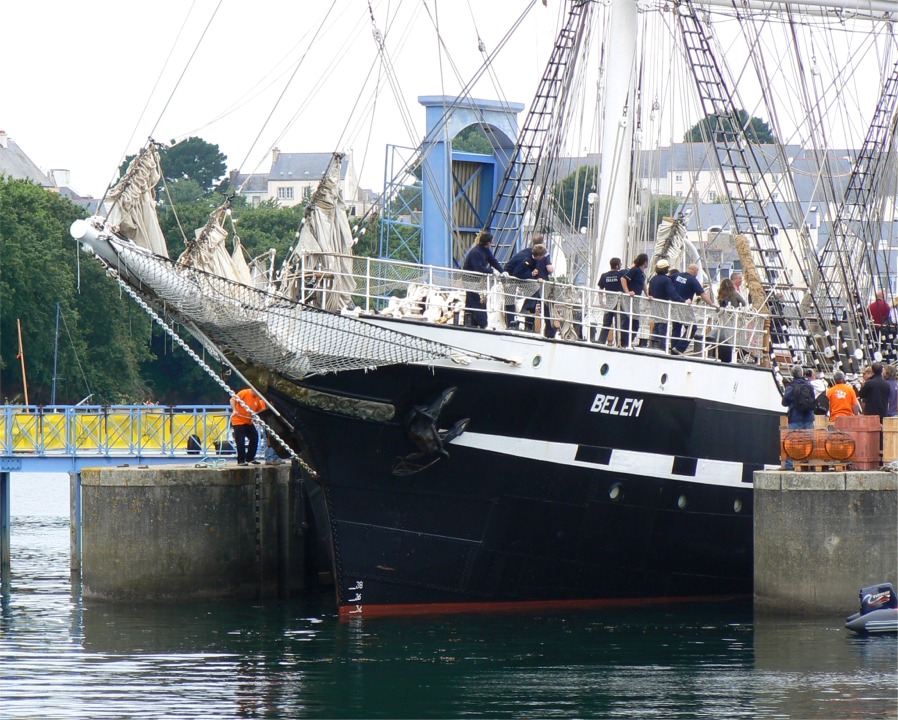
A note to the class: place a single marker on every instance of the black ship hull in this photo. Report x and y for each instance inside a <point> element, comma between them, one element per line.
<point>556,492</point>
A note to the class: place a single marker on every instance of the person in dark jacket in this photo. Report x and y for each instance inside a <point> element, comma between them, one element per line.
<point>798,419</point>
<point>610,282</point>
<point>479,259</point>
<point>524,265</point>
<point>688,287</point>
<point>874,394</point>
<point>661,287</point>
<point>633,283</point>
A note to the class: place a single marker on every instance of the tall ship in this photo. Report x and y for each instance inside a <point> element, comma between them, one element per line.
<point>539,461</point>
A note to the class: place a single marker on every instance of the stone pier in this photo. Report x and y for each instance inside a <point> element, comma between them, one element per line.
<point>822,536</point>
<point>190,533</point>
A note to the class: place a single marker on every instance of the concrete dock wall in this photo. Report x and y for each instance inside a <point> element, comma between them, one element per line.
<point>185,532</point>
<point>820,537</point>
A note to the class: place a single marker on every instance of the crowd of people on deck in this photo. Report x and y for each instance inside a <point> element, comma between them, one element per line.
<point>534,263</point>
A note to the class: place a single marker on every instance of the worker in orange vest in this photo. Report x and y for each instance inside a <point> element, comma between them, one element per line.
<point>246,437</point>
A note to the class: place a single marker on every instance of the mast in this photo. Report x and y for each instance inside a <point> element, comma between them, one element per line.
<point>55,357</point>
<point>21,357</point>
<point>613,211</point>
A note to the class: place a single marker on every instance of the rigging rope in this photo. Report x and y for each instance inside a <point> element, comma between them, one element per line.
<point>211,373</point>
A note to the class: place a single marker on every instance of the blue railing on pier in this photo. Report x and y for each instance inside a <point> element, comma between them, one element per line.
<point>66,438</point>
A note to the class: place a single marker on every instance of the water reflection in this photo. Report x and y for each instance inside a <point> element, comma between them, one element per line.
<point>64,658</point>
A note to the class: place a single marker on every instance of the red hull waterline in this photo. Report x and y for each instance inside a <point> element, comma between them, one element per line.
<point>348,612</point>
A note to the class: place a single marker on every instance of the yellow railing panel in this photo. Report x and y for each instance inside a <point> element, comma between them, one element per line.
<point>54,427</point>
<point>211,427</point>
<point>150,432</point>
<point>119,431</point>
<point>88,432</point>
<point>25,432</point>
<point>82,430</point>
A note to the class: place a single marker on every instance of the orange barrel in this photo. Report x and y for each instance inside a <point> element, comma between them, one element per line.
<point>827,444</point>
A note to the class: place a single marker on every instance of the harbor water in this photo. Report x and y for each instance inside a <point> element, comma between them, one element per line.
<point>62,657</point>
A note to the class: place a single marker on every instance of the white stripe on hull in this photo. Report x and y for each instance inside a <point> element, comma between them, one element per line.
<point>629,462</point>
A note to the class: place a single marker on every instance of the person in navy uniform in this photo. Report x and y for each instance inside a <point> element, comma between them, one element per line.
<point>480,259</point>
<point>545,267</point>
<point>661,287</point>
<point>610,282</point>
<point>688,287</point>
<point>524,265</point>
<point>633,283</point>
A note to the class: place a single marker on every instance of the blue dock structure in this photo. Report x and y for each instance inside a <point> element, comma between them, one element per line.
<point>57,439</point>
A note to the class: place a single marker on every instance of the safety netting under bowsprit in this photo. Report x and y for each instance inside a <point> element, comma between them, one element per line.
<point>270,330</point>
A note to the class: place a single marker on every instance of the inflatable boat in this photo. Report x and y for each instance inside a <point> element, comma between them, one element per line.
<point>879,611</point>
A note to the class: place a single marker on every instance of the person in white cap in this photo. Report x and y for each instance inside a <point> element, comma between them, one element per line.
<point>661,287</point>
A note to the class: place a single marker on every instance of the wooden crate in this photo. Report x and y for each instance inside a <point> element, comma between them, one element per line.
<point>889,439</point>
<point>867,433</point>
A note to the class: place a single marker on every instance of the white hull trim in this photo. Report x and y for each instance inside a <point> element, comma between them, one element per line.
<point>628,462</point>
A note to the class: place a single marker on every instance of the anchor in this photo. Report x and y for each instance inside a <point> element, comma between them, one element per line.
<point>421,429</point>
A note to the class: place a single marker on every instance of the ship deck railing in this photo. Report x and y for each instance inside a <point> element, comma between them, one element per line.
<point>437,294</point>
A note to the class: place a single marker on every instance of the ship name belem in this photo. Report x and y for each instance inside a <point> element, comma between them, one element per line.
<point>616,405</point>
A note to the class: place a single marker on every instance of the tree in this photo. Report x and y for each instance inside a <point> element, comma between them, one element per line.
<point>572,195</point>
<point>713,128</point>
<point>100,343</point>
<point>268,226</point>
<point>472,140</point>
<point>194,159</point>
<point>659,207</point>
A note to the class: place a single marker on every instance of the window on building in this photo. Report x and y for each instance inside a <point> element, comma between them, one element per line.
<point>307,193</point>
<point>678,177</point>
<point>679,193</point>
<point>285,193</point>
<point>712,195</point>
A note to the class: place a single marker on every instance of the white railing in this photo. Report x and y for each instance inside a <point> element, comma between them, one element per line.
<point>436,294</point>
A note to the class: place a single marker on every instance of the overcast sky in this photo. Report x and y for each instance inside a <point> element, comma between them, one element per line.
<point>77,88</point>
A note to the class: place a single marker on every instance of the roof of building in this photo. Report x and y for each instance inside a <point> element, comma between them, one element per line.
<point>17,165</point>
<point>255,183</point>
<point>303,166</point>
<point>92,205</point>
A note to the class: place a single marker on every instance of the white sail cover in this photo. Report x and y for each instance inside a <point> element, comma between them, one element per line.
<point>670,243</point>
<point>326,232</point>
<point>209,253</point>
<point>133,201</point>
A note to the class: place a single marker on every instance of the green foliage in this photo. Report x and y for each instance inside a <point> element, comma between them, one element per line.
<point>712,128</point>
<point>99,350</point>
<point>194,159</point>
<point>572,194</point>
<point>268,226</point>
<point>472,140</point>
<point>659,207</point>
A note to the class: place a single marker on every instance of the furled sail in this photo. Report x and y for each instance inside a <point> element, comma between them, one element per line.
<point>325,240</point>
<point>208,252</point>
<point>133,203</point>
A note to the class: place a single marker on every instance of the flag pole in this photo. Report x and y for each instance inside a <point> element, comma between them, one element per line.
<point>22,358</point>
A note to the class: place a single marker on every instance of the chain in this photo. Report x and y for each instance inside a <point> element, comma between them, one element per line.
<point>209,371</point>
